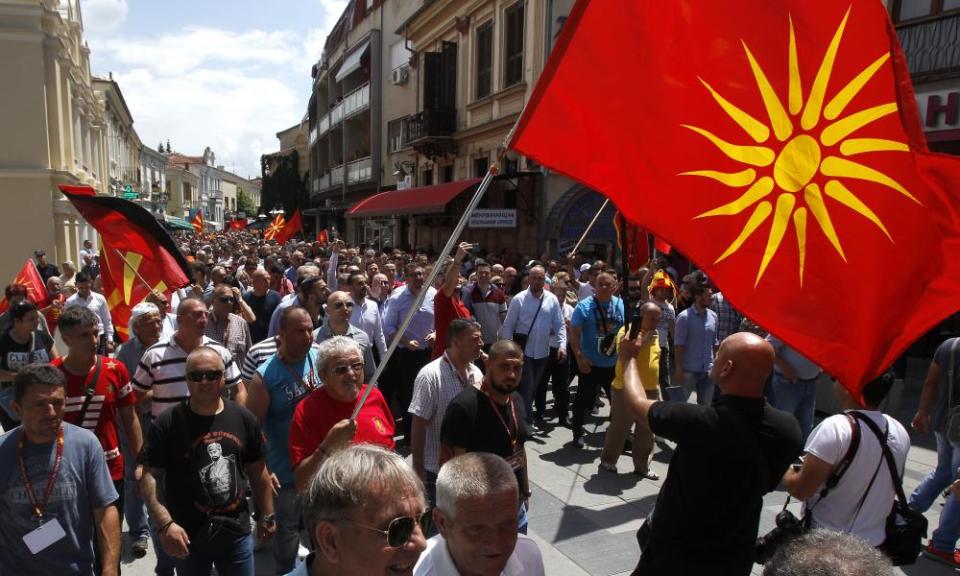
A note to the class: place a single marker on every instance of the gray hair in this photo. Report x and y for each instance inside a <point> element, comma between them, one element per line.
<point>823,552</point>
<point>472,475</point>
<point>356,476</point>
<point>333,347</point>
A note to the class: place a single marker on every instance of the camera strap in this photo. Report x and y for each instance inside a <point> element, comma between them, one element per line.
<point>842,466</point>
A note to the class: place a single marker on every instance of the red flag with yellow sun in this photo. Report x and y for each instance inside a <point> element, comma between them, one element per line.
<point>275,227</point>
<point>778,145</point>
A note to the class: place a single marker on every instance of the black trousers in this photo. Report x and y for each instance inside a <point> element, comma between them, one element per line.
<point>587,389</point>
<point>397,387</point>
<point>558,373</point>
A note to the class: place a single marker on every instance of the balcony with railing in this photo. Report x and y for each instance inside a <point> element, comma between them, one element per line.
<point>336,176</point>
<point>430,125</point>
<point>932,46</point>
<point>360,170</point>
<point>351,104</point>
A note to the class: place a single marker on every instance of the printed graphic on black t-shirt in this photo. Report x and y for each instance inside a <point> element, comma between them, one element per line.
<point>203,459</point>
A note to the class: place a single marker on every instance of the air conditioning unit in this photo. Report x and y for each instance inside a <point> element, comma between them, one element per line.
<point>400,75</point>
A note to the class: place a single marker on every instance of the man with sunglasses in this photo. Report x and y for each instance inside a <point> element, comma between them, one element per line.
<point>202,451</point>
<point>476,514</point>
<point>365,512</point>
<point>275,389</point>
<point>340,307</point>
<point>309,287</point>
<point>321,423</point>
<point>227,328</point>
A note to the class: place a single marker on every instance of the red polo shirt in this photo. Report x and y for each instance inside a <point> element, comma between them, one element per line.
<point>445,310</point>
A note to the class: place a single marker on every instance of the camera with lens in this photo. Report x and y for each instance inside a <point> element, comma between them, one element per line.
<point>607,345</point>
<point>788,527</point>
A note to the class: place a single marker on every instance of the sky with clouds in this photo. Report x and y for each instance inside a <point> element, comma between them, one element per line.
<point>228,74</point>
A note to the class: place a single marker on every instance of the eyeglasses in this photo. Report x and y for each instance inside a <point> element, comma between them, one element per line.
<point>342,305</point>
<point>208,375</point>
<point>341,370</point>
<point>227,299</point>
<point>399,530</point>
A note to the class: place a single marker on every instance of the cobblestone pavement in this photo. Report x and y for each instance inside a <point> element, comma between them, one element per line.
<point>585,522</point>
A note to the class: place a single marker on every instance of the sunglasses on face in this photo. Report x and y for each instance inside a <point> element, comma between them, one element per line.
<point>208,375</point>
<point>400,529</point>
<point>227,299</point>
<point>342,305</point>
<point>341,370</point>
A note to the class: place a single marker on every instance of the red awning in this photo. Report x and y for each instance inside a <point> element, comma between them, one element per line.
<point>422,200</point>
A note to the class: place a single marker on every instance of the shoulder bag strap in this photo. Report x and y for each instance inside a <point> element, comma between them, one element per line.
<point>537,313</point>
<point>888,456</point>
<point>90,391</point>
<point>842,466</point>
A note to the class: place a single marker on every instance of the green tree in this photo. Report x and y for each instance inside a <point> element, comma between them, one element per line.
<point>245,204</point>
<point>283,187</point>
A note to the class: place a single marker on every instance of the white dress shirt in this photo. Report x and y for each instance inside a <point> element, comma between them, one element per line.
<point>97,304</point>
<point>526,559</point>
<point>366,317</point>
<point>523,312</point>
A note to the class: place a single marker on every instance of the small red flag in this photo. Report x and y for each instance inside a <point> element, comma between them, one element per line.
<point>290,228</point>
<point>197,222</point>
<point>238,224</point>
<point>275,227</point>
<point>787,137</point>
<point>29,277</point>
<point>322,236</point>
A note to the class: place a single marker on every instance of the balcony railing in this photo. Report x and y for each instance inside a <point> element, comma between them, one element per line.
<point>430,124</point>
<point>351,104</point>
<point>931,46</point>
<point>336,176</point>
<point>359,170</point>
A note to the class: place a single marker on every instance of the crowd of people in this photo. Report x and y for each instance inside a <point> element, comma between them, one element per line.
<point>229,417</point>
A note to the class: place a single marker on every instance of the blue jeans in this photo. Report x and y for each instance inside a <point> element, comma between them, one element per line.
<point>798,398</point>
<point>533,373</point>
<point>286,542</point>
<point>134,508</point>
<point>231,558</point>
<point>699,381</point>
<point>948,460</point>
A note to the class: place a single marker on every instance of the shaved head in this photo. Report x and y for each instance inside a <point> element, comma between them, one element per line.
<point>744,360</point>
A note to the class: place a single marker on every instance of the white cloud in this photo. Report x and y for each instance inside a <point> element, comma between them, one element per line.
<point>103,16</point>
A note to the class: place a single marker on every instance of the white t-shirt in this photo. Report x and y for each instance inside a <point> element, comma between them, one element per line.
<point>585,291</point>
<point>526,559</point>
<point>838,511</point>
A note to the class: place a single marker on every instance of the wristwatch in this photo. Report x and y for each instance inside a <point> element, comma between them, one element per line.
<point>268,519</point>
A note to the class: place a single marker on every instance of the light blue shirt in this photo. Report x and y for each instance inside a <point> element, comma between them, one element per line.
<point>595,320</point>
<point>396,310</point>
<point>520,318</point>
<point>697,333</point>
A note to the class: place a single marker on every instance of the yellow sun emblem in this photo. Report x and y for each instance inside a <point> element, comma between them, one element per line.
<point>796,165</point>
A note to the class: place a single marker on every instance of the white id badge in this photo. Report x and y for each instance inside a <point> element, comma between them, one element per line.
<point>47,534</point>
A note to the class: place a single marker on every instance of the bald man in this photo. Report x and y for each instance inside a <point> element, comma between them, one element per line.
<point>728,455</point>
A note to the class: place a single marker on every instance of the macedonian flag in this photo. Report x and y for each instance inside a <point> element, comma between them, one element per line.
<point>137,255</point>
<point>778,145</point>
<point>197,222</point>
<point>275,227</point>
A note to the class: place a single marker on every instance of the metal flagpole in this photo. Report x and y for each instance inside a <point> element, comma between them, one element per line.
<point>589,226</point>
<point>451,242</point>
<point>625,263</point>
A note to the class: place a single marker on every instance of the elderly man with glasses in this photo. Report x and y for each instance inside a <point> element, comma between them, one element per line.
<point>365,511</point>
<point>322,422</point>
<point>202,451</point>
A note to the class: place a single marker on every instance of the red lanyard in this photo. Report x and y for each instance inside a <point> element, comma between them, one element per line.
<point>51,481</point>
<point>516,426</point>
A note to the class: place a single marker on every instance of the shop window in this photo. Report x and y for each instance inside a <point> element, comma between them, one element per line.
<point>395,135</point>
<point>448,173</point>
<point>428,177</point>
<point>905,10</point>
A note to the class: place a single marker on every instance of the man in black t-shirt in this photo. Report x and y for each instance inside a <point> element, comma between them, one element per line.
<point>492,419</point>
<point>203,449</point>
<point>728,456</point>
<point>263,301</point>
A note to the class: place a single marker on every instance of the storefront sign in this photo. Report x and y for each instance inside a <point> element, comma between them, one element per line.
<point>493,218</point>
<point>939,110</point>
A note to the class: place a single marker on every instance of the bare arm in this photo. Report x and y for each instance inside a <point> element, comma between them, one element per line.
<point>418,433</point>
<point>921,421</point>
<point>803,484</point>
<point>246,312</point>
<point>447,452</point>
<point>339,436</point>
<point>452,273</point>
<point>107,520</point>
<point>257,398</point>
<point>173,537</point>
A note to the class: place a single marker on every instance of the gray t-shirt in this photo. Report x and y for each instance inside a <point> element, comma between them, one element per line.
<point>938,412</point>
<point>83,483</point>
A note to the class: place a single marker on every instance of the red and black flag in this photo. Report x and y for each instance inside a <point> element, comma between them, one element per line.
<point>137,254</point>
